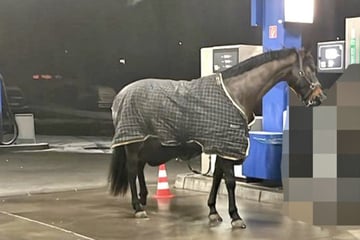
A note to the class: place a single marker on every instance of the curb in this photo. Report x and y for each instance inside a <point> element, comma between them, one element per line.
<point>24,147</point>
<point>198,182</point>
<point>51,189</point>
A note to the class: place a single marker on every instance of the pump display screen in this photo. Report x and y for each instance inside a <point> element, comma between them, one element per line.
<point>331,56</point>
<point>224,58</point>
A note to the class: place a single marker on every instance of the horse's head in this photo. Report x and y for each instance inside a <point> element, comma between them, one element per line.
<point>302,79</point>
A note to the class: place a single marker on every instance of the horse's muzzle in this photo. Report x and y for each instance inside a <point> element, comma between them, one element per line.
<point>316,101</point>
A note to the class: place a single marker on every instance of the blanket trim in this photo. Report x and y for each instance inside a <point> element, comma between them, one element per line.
<point>189,141</point>
<point>239,107</point>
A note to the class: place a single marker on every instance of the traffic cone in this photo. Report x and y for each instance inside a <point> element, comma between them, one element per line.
<point>163,190</point>
<point>163,204</point>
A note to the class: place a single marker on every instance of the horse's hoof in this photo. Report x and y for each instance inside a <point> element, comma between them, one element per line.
<point>215,218</point>
<point>141,214</point>
<point>238,224</point>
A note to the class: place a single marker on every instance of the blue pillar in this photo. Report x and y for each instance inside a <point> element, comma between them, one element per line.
<point>1,126</point>
<point>264,160</point>
<point>269,14</point>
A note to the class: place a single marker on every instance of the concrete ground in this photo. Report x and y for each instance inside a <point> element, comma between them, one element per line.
<point>61,193</point>
<point>29,172</point>
<point>93,214</point>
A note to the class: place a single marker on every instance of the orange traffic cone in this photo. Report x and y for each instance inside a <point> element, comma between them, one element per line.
<point>163,190</point>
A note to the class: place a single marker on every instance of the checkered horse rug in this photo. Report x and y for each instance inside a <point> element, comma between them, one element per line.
<point>181,111</point>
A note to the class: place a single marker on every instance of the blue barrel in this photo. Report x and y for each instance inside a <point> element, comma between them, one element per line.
<point>264,159</point>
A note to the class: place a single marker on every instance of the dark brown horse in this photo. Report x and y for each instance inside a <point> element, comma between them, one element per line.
<point>153,128</point>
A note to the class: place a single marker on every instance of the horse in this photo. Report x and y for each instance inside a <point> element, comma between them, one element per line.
<point>153,124</point>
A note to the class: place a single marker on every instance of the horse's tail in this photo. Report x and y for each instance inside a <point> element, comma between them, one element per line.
<point>118,175</point>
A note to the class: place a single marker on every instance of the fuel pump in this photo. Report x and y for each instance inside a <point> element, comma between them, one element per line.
<point>5,111</point>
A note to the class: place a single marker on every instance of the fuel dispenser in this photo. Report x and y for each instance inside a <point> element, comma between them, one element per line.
<point>216,59</point>
<point>5,110</point>
<point>18,124</point>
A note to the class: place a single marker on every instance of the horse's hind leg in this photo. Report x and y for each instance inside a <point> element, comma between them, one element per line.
<point>132,166</point>
<point>228,168</point>
<point>142,184</point>
<point>214,216</point>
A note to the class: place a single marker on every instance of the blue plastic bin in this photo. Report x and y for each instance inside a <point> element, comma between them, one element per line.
<point>264,159</point>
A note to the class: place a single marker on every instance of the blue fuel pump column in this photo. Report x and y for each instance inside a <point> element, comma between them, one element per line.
<point>1,124</point>
<point>264,160</point>
<point>270,15</point>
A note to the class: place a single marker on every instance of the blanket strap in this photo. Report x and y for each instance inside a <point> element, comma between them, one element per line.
<point>198,172</point>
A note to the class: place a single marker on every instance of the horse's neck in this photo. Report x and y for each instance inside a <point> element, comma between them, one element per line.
<point>248,88</point>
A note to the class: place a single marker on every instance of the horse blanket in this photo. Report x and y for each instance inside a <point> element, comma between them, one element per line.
<point>181,111</point>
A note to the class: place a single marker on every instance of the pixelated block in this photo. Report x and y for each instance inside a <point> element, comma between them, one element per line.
<point>325,213</point>
<point>325,165</point>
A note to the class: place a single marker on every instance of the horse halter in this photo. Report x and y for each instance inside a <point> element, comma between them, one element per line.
<point>312,85</point>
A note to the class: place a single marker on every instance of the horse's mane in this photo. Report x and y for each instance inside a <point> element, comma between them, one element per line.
<point>256,61</point>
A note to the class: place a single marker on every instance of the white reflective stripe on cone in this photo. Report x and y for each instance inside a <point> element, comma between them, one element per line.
<point>162,173</point>
<point>163,185</point>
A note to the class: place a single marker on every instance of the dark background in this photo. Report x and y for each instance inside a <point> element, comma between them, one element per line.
<point>83,40</point>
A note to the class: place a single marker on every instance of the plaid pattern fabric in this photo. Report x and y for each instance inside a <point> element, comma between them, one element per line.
<point>181,111</point>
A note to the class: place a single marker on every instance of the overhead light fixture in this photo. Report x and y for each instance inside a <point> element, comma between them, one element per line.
<point>299,11</point>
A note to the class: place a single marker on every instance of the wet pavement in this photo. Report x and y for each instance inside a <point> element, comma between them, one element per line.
<point>52,170</point>
<point>93,214</point>
<point>61,193</point>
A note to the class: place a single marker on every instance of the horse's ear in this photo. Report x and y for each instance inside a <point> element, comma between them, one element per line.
<point>308,53</point>
<point>307,48</point>
<point>302,52</point>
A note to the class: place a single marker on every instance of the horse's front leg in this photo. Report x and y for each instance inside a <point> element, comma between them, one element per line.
<point>132,166</point>
<point>228,168</point>
<point>214,216</point>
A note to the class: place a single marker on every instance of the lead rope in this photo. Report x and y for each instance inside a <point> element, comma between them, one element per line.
<point>198,172</point>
